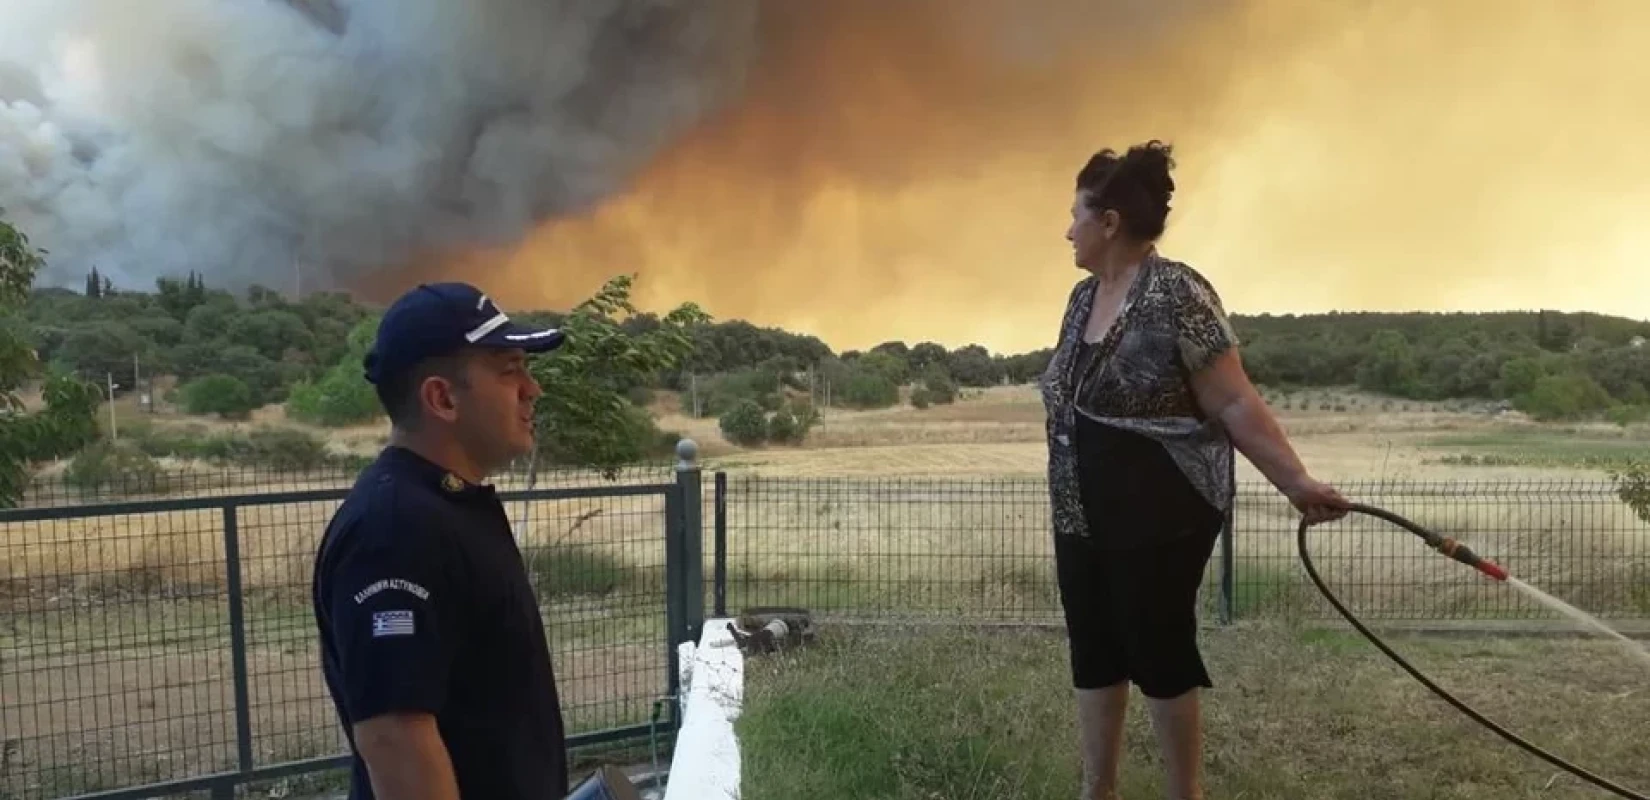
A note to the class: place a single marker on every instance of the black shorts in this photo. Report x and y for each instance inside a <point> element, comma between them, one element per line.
<point>1130,589</point>
<point>1132,614</point>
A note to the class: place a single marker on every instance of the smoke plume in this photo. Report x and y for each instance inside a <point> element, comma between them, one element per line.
<point>860,170</point>
<point>262,140</point>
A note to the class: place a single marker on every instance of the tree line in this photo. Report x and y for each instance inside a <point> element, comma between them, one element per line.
<point>232,353</point>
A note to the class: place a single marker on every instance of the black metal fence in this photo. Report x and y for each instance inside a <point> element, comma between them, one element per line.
<point>980,550</point>
<point>164,646</point>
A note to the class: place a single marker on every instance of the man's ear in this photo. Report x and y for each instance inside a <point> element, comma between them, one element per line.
<point>437,396</point>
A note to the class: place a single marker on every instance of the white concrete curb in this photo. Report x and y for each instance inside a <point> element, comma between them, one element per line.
<point>706,763</point>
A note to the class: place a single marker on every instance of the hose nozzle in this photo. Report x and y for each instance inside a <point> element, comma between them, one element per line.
<point>1465,555</point>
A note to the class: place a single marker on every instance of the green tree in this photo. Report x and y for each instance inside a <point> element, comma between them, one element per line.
<point>1519,376</point>
<point>973,366</point>
<point>1563,396</point>
<point>226,395</point>
<point>18,263</point>
<point>178,298</point>
<point>1390,366</point>
<point>584,417</point>
<point>887,362</point>
<point>866,389</point>
<point>342,396</point>
<point>937,387</point>
<point>66,423</point>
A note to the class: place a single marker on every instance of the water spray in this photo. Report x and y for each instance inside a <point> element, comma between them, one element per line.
<point>1459,552</point>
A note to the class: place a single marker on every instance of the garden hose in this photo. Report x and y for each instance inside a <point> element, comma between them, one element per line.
<point>1457,551</point>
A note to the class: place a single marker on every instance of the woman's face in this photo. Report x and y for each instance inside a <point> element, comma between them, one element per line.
<point>1090,234</point>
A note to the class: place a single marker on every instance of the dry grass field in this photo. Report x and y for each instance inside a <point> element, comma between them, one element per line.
<point>1296,714</point>
<point>114,648</point>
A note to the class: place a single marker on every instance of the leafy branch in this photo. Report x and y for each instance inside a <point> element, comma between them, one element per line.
<point>584,416</point>
<point>1633,487</point>
<point>68,421</point>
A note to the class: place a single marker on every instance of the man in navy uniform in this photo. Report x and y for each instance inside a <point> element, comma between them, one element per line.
<point>432,644</point>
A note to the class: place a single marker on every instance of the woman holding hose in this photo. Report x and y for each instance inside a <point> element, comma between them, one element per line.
<point>1146,399</point>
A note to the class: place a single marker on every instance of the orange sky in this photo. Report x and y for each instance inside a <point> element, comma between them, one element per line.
<point>905,173</point>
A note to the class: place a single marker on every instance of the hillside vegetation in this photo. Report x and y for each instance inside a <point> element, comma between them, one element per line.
<point>189,347</point>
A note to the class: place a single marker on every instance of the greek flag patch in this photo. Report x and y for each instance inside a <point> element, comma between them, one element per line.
<point>392,623</point>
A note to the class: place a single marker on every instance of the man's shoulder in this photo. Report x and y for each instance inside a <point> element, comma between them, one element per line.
<point>385,510</point>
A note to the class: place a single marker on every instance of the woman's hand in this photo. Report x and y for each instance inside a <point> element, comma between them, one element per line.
<point>1317,501</point>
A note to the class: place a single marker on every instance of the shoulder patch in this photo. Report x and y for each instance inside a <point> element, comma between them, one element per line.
<point>392,623</point>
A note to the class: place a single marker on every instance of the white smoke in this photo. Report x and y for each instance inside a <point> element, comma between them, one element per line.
<point>240,138</point>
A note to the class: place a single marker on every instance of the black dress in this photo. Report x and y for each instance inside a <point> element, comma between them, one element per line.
<point>1130,588</point>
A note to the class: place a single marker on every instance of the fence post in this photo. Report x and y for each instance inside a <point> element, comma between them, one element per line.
<point>688,475</point>
<point>237,638</point>
<point>721,579</point>
<point>684,567</point>
<point>1228,569</point>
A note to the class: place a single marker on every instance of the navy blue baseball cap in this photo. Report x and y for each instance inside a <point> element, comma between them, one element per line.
<point>440,318</point>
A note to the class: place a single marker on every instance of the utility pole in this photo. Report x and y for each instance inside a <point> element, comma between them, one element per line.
<point>137,386</point>
<point>114,432</point>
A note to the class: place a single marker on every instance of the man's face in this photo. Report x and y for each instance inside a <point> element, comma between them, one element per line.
<point>494,406</point>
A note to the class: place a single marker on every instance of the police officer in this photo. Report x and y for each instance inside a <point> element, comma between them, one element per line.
<point>432,644</point>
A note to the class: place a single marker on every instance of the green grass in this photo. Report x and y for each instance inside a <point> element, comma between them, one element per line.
<point>1296,713</point>
<point>1548,447</point>
<point>565,570</point>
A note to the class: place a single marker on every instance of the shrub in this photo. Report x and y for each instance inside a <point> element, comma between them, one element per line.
<point>1563,396</point>
<point>940,388</point>
<point>342,397</point>
<point>285,449</point>
<point>745,424</point>
<point>1633,487</point>
<point>225,395</point>
<point>791,423</point>
<point>723,393</point>
<point>272,448</point>
<point>867,389</point>
<point>1625,415</point>
<point>919,398</point>
<point>113,464</point>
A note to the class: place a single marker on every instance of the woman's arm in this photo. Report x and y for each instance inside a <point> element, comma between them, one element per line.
<point>1209,351</point>
<point>1224,392</point>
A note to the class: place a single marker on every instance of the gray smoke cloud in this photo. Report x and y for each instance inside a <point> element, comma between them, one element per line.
<point>240,138</point>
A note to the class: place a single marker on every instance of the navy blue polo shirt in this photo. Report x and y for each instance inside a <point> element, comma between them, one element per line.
<point>424,604</point>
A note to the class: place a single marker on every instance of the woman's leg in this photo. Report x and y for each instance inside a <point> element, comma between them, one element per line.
<point>1178,723</point>
<point>1100,716</point>
<point>1097,667</point>
<point>1165,659</point>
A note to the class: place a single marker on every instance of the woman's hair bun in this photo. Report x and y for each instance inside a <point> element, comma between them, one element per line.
<point>1136,185</point>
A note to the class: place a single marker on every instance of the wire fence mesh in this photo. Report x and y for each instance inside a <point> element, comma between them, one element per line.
<point>66,487</point>
<point>125,632</point>
<point>121,639</point>
<point>979,550</point>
